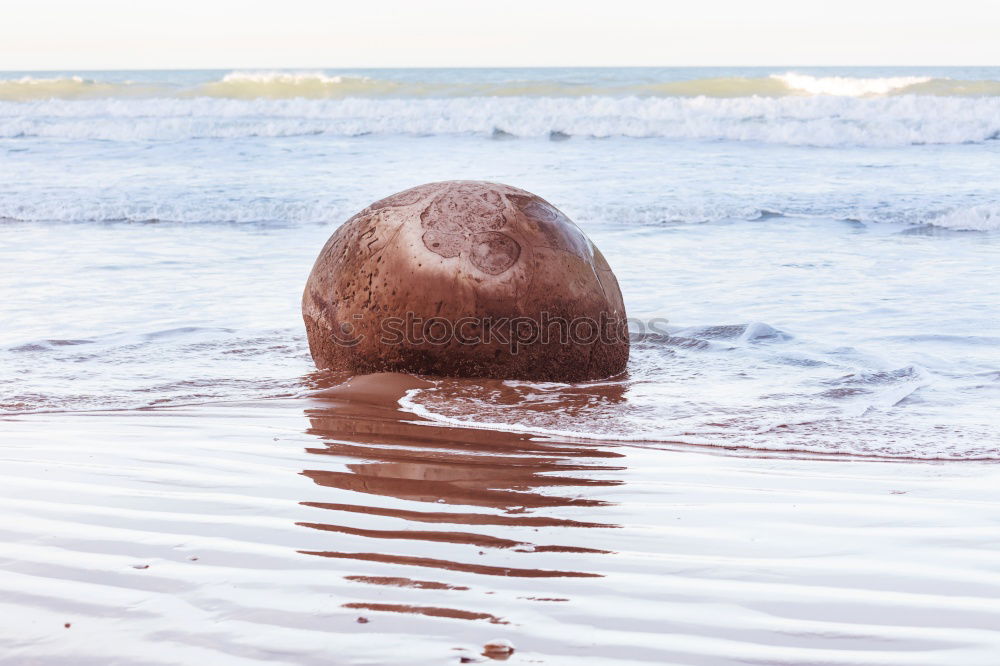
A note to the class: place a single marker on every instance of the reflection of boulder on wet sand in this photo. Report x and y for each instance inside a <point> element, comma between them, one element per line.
<point>406,495</point>
<point>455,482</point>
<point>416,460</point>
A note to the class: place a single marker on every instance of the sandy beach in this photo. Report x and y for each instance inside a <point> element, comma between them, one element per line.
<point>338,529</point>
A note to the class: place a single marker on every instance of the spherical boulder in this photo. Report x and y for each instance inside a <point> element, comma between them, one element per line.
<point>469,279</point>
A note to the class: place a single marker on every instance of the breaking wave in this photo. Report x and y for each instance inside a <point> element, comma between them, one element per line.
<point>322,85</point>
<point>812,121</point>
<point>74,208</point>
<point>290,85</point>
<point>984,217</point>
<point>853,410</point>
<point>848,86</point>
<point>27,89</point>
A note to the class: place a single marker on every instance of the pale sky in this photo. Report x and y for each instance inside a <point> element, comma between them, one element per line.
<point>174,34</point>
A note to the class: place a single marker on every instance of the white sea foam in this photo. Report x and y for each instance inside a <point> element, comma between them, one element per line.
<point>985,217</point>
<point>828,422</point>
<point>292,85</point>
<point>283,77</point>
<point>45,81</point>
<point>817,121</point>
<point>204,209</point>
<point>847,86</point>
<point>195,208</point>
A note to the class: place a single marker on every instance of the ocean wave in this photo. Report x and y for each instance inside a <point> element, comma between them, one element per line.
<point>984,217</point>
<point>74,374</point>
<point>794,84</point>
<point>28,89</point>
<point>863,414</point>
<point>813,121</point>
<point>86,208</point>
<point>291,85</point>
<point>195,210</point>
<point>279,85</point>
<point>847,86</point>
<point>208,210</point>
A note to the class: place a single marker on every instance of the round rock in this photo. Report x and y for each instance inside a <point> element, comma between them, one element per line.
<point>466,279</point>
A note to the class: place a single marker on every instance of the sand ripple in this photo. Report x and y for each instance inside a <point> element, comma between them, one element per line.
<point>249,533</point>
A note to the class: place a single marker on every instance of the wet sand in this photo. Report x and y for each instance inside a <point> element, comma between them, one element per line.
<point>337,529</point>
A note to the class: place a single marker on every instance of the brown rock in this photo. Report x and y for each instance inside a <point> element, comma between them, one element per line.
<point>465,278</point>
<point>498,646</point>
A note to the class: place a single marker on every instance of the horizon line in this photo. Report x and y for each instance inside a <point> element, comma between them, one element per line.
<point>473,67</point>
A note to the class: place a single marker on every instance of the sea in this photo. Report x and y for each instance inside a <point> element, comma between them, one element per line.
<point>819,247</point>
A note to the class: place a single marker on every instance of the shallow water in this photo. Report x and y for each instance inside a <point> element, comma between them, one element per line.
<point>798,466</point>
<point>823,243</point>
